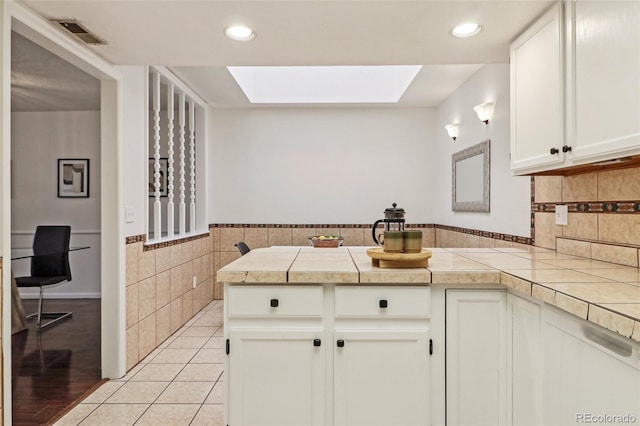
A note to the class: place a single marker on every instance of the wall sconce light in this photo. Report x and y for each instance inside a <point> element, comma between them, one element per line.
<point>484,111</point>
<point>453,130</point>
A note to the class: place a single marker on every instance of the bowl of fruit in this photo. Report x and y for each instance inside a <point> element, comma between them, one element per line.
<point>326,240</point>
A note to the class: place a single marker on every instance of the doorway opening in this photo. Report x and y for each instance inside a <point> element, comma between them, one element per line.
<point>40,137</point>
<point>55,131</point>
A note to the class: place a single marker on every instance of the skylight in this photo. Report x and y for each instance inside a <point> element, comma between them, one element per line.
<point>324,84</point>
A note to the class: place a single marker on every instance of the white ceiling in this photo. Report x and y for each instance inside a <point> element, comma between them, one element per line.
<point>188,36</point>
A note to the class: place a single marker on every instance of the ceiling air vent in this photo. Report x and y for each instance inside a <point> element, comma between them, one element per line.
<point>75,28</point>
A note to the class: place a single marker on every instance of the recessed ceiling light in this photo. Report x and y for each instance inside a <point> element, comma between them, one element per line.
<point>466,30</point>
<point>240,33</point>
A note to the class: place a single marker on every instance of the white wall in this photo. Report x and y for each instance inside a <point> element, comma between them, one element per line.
<point>510,196</point>
<point>320,165</point>
<point>135,105</point>
<point>346,165</point>
<point>39,139</point>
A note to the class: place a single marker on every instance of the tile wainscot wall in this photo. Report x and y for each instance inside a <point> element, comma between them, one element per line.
<point>604,224</point>
<point>160,294</point>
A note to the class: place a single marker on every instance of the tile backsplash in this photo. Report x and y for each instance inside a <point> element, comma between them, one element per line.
<point>604,214</point>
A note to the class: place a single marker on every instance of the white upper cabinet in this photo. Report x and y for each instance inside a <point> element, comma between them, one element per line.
<point>575,86</point>
<point>604,116</point>
<point>537,100</point>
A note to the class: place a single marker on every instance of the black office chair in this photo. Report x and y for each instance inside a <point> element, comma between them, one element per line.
<point>244,249</point>
<point>49,266</point>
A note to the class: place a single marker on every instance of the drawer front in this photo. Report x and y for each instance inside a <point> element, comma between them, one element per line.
<point>383,302</point>
<point>275,301</point>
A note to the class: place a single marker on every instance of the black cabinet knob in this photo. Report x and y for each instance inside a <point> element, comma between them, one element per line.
<point>274,303</point>
<point>554,151</point>
<point>566,148</point>
<point>316,342</point>
<point>340,343</point>
<point>383,303</point>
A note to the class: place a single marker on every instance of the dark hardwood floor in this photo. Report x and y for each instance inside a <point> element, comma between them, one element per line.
<point>52,371</point>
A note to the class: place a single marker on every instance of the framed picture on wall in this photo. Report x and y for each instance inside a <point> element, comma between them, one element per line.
<point>73,178</point>
<point>164,166</point>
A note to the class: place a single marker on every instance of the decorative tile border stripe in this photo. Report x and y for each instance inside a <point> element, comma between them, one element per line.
<point>533,226</point>
<point>317,225</point>
<point>136,239</point>
<point>143,238</point>
<point>533,215</point>
<point>170,243</point>
<point>625,207</point>
<point>486,234</point>
<point>533,189</point>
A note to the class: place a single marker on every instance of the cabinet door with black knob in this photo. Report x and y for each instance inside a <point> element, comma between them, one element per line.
<point>381,377</point>
<point>537,95</point>
<point>278,377</point>
<point>604,81</point>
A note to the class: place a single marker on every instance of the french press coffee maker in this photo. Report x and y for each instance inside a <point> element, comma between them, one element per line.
<point>393,221</point>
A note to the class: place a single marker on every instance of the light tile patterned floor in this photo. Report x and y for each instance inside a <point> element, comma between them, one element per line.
<point>179,383</point>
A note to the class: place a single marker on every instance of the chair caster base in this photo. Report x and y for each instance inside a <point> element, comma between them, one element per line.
<point>57,316</point>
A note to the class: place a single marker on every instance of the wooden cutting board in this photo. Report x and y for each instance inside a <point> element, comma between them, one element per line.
<point>398,260</point>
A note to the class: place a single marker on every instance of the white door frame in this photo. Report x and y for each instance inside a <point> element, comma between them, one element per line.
<point>14,16</point>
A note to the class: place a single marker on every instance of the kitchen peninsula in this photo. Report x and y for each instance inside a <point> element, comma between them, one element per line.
<point>320,336</point>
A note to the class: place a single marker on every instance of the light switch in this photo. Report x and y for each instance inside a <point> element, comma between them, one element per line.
<point>129,214</point>
<point>562,214</point>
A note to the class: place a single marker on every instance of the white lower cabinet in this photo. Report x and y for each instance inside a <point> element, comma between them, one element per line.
<point>524,361</point>
<point>322,355</point>
<point>381,377</point>
<point>381,355</point>
<point>277,377</point>
<point>476,382</point>
<point>351,355</point>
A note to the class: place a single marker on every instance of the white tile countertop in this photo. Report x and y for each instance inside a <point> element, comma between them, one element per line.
<point>605,293</point>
